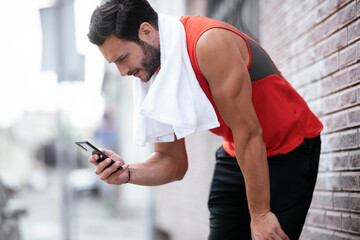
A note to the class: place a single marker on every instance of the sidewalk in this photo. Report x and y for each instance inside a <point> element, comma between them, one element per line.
<point>90,219</point>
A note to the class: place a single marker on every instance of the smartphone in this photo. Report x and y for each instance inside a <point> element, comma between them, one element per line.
<point>87,146</point>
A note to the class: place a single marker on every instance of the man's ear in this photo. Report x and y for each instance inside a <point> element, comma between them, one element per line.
<point>146,32</point>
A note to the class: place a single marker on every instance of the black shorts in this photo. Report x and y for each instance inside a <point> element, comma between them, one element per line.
<point>292,181</point>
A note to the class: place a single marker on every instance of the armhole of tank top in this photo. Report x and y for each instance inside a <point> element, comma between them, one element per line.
<point>203,78</point>
<point>248,48</point>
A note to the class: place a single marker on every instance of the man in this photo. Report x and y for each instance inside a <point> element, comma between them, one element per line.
<point>268,130</point>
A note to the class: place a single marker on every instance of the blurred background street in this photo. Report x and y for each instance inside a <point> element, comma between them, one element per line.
<point>92,218</point>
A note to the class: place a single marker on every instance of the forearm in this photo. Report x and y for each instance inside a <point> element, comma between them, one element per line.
<point>252,160</point>
<point>158,169</point>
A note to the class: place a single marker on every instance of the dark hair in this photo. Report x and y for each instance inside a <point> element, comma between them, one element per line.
<point>121,18</point>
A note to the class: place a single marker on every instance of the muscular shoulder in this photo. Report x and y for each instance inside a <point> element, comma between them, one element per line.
<point>219,53</point>
<point>220,40</point>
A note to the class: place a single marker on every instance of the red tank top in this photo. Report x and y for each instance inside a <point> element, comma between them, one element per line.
<point>284,116</point>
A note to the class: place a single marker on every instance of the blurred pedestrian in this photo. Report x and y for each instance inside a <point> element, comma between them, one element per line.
<point>197,74</point>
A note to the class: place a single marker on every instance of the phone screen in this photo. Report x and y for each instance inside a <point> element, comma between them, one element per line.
<point>87,146</point>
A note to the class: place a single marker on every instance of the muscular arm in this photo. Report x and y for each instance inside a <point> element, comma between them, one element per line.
<point>220,55</point>
<point>167,163</point>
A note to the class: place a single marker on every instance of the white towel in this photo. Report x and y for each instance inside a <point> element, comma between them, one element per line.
<point>172,102</point>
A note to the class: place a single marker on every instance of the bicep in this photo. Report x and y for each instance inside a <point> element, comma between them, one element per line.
<point>223,66</point>
<point>175,150</point>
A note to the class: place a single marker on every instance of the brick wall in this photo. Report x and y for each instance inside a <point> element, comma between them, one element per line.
<point>315,43</point>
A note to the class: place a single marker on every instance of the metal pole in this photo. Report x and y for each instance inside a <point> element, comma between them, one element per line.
<point>63,165</point>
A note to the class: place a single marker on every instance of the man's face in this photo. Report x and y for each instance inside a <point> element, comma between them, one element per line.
<point>139,60</point>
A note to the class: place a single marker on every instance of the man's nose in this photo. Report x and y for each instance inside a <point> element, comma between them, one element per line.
<point>122,69</point>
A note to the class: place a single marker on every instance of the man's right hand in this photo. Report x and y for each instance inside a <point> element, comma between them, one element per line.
<point>110,175</point>
<point>267,227</point>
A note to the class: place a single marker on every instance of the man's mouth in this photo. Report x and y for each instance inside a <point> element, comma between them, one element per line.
<point>136,73</point>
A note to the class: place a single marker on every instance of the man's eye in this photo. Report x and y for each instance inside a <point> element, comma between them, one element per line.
<point>122,59</point>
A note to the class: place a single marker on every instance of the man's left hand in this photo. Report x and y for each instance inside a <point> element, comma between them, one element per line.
<point>267,227</point>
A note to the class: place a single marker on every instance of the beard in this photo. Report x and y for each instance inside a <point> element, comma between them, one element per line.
<point>151,61</point>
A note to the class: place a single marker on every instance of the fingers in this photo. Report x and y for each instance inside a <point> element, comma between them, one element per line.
<point>282,235</point>
<point>267,227</point>
<point>276,237</point>
<point>112,174</point>
<point>104,170</point>
<point>111,154</point>
<point>107,171</point>
<point>94,159</point>
<point>119,177</point>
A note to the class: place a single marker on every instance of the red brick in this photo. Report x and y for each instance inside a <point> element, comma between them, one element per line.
<point>354,74</point>
<point>338,40</point>
<point>340,80</point>
<point>305,23</point>
<point>328,181</point>
<point>322,234</point>
<point>347,56</point>
<point>354,159</point>
<point>305,59</point>
<point>337,4</point>
<point>340,100</point>
<point>326,28</point>
<point>322,49</point>
<point>353,237</point>
<point>348,139</point>
<point>316,107</point>
<point>322,200</point>
<point>323,11</point>
<point>339,121</point>
<point>343,2</point>
<point>341,236</point>
<point>316,217</point>
<point>311,91</point>
<point>335,142</point>
<point>327,8</point>
<point>340,161</point>
<point>325,163</point>
<point>331,64</point>
<point>354,202</point>
<point>347,14</point>
<point>354,31</point>
<point>306,233</point>
<point>305,42</point>
<point>333,220</point>
<point>327,123</point>
<point>326,85</point>
<point>349,181</point>
<point>331,142</point>
<point>312,233</point>
<point>333,5</point>
<point>341,201</point>
<point>332,103</point>
<point>348,97</point>
<point>354,116</point>
<point>350,223</point>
